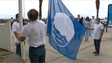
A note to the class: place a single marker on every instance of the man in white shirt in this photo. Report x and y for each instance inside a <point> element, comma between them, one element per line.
<point>105,23</point>
<point>98,33</point>
<point>92,21</point>
<point>11,21</point>
<point>15,29</point>
<point>36,38</point>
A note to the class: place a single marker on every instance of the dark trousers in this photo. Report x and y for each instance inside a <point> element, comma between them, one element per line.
<point>97,45</point>
<point>105,26</point>
<point>18,49</point>
<point>37,55</point>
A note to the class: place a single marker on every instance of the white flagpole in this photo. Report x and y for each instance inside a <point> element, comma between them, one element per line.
<point>21,28</point>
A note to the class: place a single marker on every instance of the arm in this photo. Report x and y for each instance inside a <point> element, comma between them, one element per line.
<point>90,24</point>
<point>16,35</point>
<point>20,38</point>
<point>14,29</point>
<point>25,22</point>
<point>105,21</point>
<point>102,30</point>
<point>90,28</point>
<point>101,34</point>
<point>84,26</point>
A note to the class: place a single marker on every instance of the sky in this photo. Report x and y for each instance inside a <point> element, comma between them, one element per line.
<point>8,8</point>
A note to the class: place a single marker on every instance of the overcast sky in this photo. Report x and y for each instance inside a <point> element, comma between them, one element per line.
<point>8,8</point>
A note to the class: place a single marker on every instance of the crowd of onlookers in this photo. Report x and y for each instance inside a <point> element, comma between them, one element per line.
<point>87,22</point>
<point>98,26</point>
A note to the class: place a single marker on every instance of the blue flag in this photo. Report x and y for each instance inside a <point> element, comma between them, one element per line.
<point>64,31</point>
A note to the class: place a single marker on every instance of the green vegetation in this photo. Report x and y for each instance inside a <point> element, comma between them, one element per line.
<point>1,60</point>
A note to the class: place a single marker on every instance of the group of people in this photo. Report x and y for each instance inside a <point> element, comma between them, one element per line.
<point>98,26</point>
<point>34,31</point>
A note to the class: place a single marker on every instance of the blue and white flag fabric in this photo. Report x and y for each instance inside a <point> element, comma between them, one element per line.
<point>64,31</point>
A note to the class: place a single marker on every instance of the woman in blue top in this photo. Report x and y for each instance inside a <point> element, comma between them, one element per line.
<point>87,24</point>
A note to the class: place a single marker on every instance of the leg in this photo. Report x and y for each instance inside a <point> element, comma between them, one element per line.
<point>18,49</point>
<point>106,27</point>
<point>34,58</point>
<point>37,55</point>
<point>95,44</point>
<point>87,38</point>
<point>98,46</point>
<point>43,54</point>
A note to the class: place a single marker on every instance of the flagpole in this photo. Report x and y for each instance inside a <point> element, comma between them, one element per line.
<point>21,28</point>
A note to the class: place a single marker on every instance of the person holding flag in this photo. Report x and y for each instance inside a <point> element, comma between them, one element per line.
<point>98,33</point>
<point>36,38</point>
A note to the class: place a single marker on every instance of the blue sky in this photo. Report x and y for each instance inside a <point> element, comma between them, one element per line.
<point>8,8</point>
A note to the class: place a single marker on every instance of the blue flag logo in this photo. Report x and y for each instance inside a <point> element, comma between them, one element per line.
<point>62,25</point>
<point>64,31</point>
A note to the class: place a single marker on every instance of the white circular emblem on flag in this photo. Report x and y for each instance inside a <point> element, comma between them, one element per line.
<point>62,29</point>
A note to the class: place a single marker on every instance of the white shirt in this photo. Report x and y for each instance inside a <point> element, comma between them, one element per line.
<point>92,22</point>
<point>15,28</point>
<point>35,32</point>
<point>105,21</point>
<point>11,20</point>
<point>102,21</point>
<point>97,30</point>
